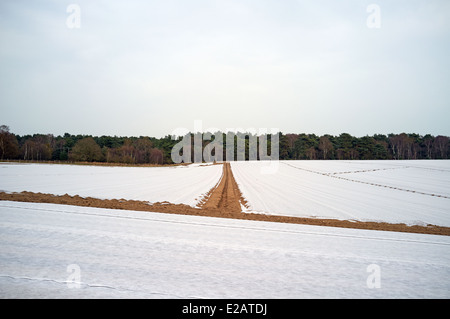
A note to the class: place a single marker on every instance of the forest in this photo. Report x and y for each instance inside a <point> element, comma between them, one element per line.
<point>152,150</point>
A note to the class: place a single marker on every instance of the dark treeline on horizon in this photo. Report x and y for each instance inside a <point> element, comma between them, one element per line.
<point>144,149</point>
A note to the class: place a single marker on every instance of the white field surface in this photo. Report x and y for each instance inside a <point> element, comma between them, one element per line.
<point>175,184</point>
<point>381,191</point>
<point>129,254</point>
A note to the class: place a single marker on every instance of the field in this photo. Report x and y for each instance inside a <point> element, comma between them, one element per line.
<point>175,184</point>
<point>129,254</point>
<point>411,192</point>
<point>149,246</point>
<point>415,193</point>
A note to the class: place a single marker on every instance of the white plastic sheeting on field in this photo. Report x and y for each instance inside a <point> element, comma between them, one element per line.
<point>387,191</point>
<point>59,251</point>
<point>175,184</point>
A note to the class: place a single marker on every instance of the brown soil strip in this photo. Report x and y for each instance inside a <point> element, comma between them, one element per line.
<point>226,196</point>
<point>224,200</point>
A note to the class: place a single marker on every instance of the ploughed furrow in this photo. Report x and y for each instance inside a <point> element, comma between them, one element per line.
<point>225,196</point>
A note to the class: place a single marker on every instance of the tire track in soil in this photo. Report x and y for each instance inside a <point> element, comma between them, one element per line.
<point>224,201</point>
<point>226,196</point>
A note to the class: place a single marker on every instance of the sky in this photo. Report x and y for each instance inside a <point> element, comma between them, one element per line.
<point>149,68</point>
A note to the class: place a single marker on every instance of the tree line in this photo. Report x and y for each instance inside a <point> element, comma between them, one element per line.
<point>144,149</point>
<point>81,148</point>
<point>376,147</point>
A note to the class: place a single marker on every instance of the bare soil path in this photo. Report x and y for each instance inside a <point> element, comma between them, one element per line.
<point>224,200</point>
<point>226,196</point>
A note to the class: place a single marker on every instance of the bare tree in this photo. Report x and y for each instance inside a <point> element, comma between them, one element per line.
<point>325,146</point>
<point>9,147</point>
<point>441,146</point>
<point>143,147</point>
<point>4,131</point>
<point>400,144</point>
<point>311,153</point>
<point>37,148</point>
<point>156,156</point>
<point>428,142</point>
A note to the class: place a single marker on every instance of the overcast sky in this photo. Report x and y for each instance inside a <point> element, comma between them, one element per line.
<point>149,67</point>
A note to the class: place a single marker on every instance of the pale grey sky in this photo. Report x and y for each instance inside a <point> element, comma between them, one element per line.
<point>148,67</point>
